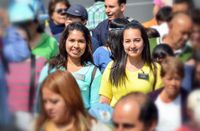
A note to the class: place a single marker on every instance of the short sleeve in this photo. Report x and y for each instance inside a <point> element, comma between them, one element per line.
<point>106,86</point>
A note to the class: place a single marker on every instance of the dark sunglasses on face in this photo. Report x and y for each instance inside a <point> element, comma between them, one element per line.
<point>61,11</point>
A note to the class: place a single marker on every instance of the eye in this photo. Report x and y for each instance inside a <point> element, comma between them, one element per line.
<point>71,40</point>
<point>128,126</point>
<point>127,41</point>
<point>54,101</point>
<point>116,125</point>
<point>81,41</point>
<point>137,40</point>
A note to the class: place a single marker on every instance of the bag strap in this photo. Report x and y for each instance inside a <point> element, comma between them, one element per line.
<point>32,82</point>
<point>92,78</point>
<point>155,77</point>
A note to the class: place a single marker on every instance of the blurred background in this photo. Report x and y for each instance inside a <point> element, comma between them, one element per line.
<point>138,9</point>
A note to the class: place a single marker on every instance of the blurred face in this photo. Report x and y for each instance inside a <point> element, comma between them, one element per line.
<point>58,15</point>
<point>172,84</point>
<point>54,106</point>
<point>195,37</point>
<point>75,44</point>
<point>71,19</point>
<point>181,7</point>
<point>125,118</point>
<point>113,9</point>
<point>133,43</point>
<point>180,33</point>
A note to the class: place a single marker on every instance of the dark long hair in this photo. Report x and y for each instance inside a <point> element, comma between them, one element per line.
<point>118,74</point>
<point>115,31</point>
<point>61,59</point>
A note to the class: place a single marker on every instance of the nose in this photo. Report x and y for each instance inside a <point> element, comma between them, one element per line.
<point>119,128</point>
<point>107,10</point>
<point>48,106</point>
<point>173,82</point>
<point>76,44</point>
<point>132,44</point>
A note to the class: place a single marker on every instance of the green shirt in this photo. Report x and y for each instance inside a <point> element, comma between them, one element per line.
<point>47,47</point>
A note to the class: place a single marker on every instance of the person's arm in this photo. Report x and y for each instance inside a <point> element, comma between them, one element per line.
<point>105,92</point>
<point>104,99</point>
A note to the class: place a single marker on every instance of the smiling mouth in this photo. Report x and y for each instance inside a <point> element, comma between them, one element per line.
<point>133,50</point>
<point>76,52</point>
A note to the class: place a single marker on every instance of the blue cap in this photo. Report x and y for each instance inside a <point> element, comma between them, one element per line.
<point>78,10</point>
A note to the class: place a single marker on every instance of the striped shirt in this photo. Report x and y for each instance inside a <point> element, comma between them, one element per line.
<point>19,78</point>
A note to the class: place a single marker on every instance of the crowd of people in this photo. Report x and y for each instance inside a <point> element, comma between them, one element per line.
<point>96,69</point>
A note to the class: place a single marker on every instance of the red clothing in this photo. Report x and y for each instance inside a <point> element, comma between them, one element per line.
<point>187,128</point>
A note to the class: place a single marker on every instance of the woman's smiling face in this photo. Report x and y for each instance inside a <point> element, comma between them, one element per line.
<point>133,43</point>
<point>75,44</point>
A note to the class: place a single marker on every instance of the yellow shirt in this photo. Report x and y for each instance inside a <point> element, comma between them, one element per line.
<point>132,83</point>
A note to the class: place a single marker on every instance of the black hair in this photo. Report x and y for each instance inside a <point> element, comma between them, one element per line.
<point>162,51</point>
<point>61,58</point>
<point>152,33</point>
<point>117,74</point>
<point>116,27</point>
<point>164,14</point>
<point>121,2</point>
<point>148,113</point>
<point>195,14</point>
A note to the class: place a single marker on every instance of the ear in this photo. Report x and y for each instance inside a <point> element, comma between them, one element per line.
<point>170,25</point>
<point>84,22</point>
<point>123,7</point>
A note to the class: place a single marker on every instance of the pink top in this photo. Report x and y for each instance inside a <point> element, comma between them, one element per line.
<point>159,3</point>
<point>18,80</point>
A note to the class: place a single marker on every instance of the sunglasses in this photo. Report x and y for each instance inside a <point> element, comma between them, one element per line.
<point>61,11</point>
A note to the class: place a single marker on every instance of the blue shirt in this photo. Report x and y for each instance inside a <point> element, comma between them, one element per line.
<point>102,57</point>
<point>15,48</point>
<point>101,32</point>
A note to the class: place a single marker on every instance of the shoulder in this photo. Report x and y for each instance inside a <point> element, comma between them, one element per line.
<point>49,39</point>
<point>103,23</point>
<point>153,95</point>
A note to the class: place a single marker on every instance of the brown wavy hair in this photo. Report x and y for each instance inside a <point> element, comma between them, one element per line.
<point>64,84</point>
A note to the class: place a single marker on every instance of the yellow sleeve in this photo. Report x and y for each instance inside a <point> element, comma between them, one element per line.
<point>106,86</point>
<point>159,82</point>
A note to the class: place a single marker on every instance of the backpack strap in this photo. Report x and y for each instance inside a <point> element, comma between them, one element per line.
<point>92,78</point>
<point>32,81</point>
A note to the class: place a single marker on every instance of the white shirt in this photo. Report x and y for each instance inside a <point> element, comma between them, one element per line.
<point>169,114</point>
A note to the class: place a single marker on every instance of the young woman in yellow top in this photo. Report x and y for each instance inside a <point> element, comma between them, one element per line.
<point>133,70</point>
